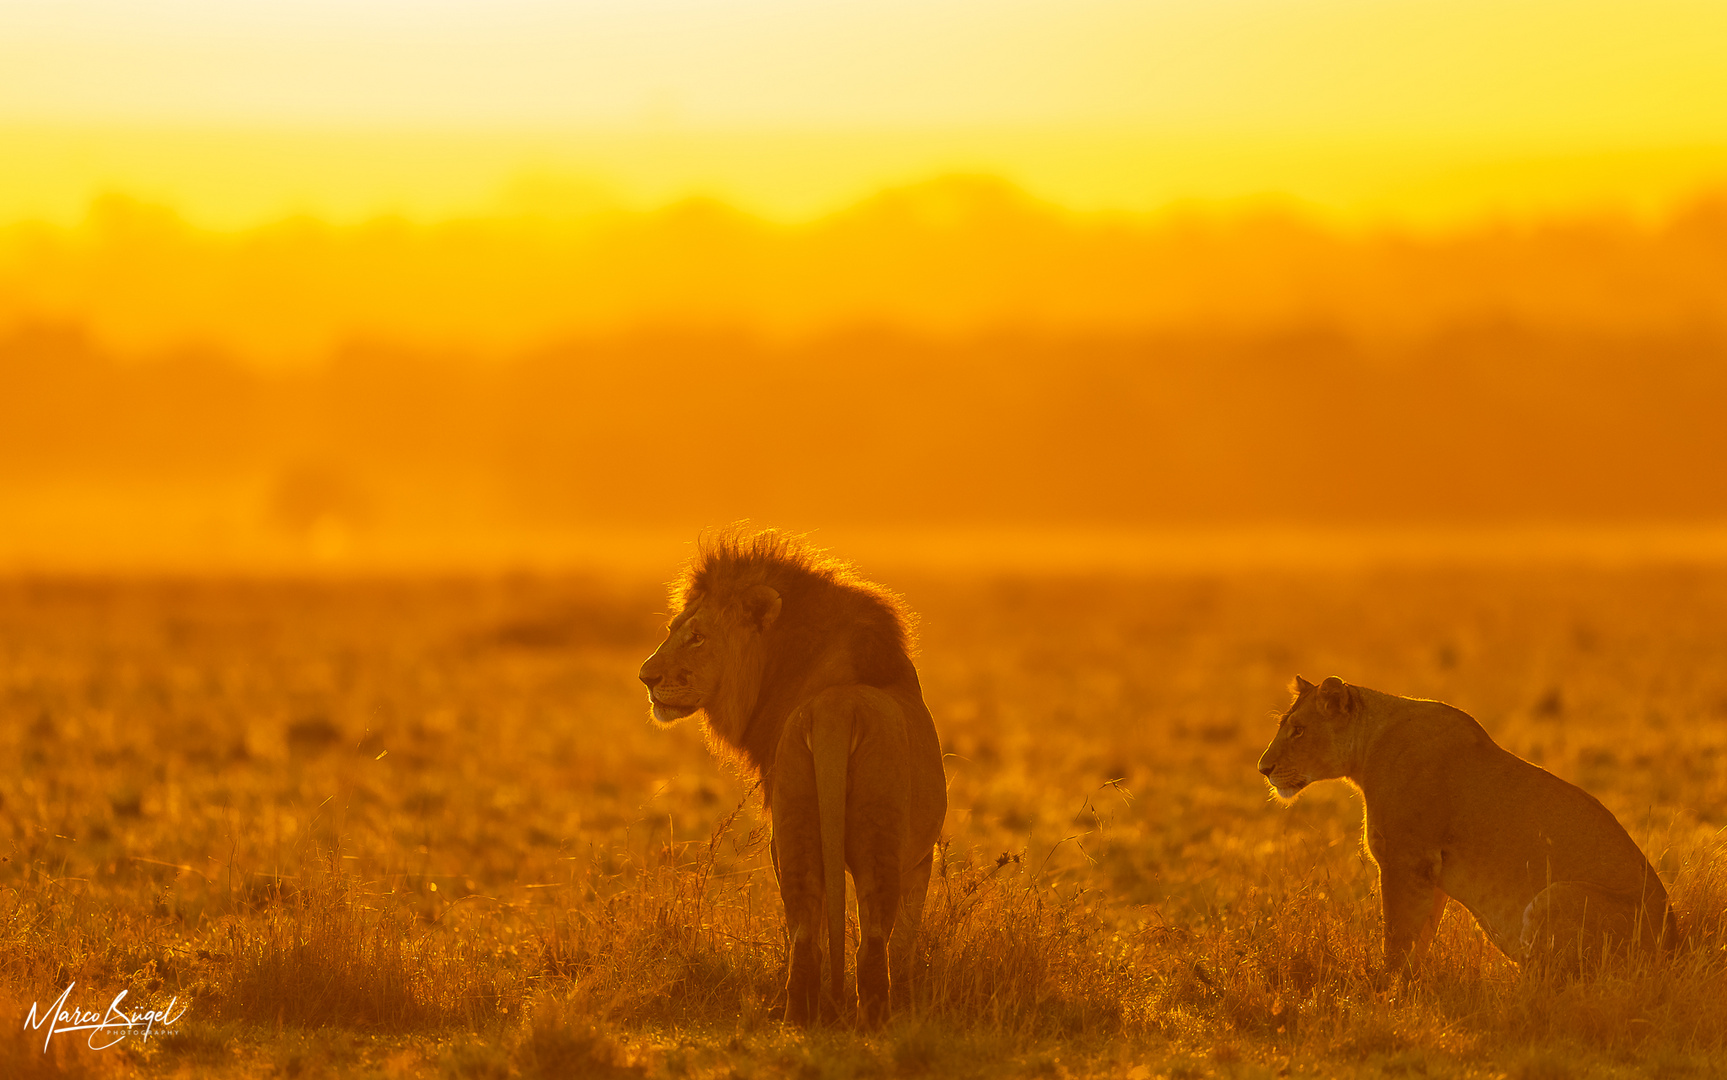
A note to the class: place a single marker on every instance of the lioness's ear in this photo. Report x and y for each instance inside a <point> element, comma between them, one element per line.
<point>1300,686</point>
<point>762,605</point>
<point>1333,695</point>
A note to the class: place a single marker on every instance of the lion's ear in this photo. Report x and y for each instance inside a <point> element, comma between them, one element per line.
<point>762,605</point>
<point>1334,695</point>
<point>1300,686</point>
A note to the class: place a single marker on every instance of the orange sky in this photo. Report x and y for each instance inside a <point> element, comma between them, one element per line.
<point>1425,110</point>
<point>949,249</point>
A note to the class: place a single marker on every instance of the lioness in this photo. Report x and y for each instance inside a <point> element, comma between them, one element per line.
<point>1547,871</point>
<point>803,671</point>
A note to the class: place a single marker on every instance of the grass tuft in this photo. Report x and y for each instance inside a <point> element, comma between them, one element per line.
<point>334,954</point>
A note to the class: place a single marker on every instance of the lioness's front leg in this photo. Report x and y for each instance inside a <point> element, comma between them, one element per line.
<point>1413,906</point>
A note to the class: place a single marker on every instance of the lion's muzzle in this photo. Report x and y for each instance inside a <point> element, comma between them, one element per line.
<point>667,712</point>
<point>1288,785</point>
<point>669,703</point>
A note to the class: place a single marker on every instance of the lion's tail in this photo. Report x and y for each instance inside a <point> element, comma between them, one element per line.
<point>830,744</point>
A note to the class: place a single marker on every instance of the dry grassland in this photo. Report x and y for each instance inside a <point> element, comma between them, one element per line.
<point>423,828</point>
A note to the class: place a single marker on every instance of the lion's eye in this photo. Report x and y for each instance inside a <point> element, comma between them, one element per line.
<point>1296,731</point>
<point>696,639</point>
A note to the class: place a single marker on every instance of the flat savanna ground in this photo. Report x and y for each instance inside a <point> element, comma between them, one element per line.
<point>424,828</point>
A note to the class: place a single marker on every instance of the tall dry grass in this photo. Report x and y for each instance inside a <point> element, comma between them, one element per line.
<point>400,826</point>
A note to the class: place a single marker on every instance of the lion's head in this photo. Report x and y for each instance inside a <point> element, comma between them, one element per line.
<point>712,652</point>
<point>756,615</point>
<point>1314,736</point>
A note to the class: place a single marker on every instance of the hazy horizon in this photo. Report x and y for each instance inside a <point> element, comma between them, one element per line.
<point>382,284</point>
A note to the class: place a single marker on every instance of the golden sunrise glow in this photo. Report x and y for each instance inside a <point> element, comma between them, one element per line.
<point>391,280</point>
<point>1415,109</point>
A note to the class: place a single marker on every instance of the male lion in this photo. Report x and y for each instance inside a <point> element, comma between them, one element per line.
<point>1547,871</point>
<point>804,672</point>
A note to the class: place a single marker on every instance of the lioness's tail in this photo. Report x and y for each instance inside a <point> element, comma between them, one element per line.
<point>830,744</point>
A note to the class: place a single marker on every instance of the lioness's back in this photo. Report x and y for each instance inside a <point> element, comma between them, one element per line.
<point>1520,829</point>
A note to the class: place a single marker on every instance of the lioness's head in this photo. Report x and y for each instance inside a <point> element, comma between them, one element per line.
<point>712,656</point>
<point>1312,737</point>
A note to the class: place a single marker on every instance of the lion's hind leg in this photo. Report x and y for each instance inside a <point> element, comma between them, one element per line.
<point>902,949</point>
<point>797,848</point>
<point>876,820</point>
<point>1570,924</point>
<point>878,896</point>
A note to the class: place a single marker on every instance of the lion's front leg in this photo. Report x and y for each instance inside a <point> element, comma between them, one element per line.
<point>1413,905</point>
